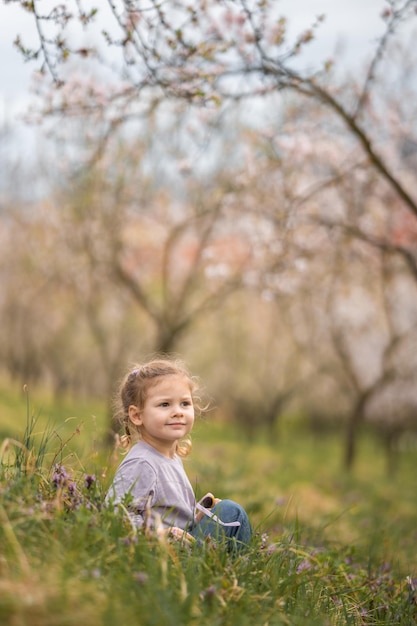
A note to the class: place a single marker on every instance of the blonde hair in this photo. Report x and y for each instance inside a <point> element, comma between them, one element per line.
<point>134,388</point>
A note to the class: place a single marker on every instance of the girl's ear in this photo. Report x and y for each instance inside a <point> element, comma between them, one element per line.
<point>134,415</point>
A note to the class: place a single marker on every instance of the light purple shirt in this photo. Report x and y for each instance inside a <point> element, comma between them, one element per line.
<point>157,481</point>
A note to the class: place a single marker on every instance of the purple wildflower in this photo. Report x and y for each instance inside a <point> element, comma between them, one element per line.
<point>89,480</point>
<point>303,566</point>
<point>280,501</point>
<point>271,549</point>
<point>208,593</point>
<point>60,476</point>
<point>141,577</point>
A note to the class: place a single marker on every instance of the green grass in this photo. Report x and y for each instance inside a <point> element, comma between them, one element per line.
<point>329,549</point>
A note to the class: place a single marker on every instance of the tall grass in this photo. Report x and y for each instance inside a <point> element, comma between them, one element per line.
<point>326,550</point>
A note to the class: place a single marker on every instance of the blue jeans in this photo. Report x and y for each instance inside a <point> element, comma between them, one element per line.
<point>235,537</point>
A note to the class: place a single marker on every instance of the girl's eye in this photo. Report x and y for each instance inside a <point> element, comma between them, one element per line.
<point>164,403</point>
<point>186,403</point>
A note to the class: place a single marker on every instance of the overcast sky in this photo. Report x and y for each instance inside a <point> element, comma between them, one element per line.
<point>350,30</point>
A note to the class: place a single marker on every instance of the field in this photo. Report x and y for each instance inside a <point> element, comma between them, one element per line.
<point>328,548</point>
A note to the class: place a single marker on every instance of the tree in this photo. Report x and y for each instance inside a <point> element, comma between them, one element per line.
<point>170,251</point>
<point>331,231</point>
<point>203,55</point>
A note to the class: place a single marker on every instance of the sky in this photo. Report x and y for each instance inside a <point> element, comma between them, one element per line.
<point>349,32</point>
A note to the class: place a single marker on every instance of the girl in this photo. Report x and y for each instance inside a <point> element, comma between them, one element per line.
<point>157,412</point>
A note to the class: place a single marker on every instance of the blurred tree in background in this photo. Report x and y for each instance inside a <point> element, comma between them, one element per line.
<point>206,197</point>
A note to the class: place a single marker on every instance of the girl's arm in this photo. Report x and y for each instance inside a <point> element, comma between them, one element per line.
<point>132,485</point>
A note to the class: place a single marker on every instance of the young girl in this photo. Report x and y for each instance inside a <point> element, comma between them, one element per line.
<point>157,412</point>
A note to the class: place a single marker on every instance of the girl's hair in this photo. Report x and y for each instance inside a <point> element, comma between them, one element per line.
<point>134,388</point>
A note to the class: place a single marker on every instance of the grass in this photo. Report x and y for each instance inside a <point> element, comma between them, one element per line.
<point>329,549</point>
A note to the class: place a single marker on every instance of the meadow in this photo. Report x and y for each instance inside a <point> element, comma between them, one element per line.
<point>328,548</point>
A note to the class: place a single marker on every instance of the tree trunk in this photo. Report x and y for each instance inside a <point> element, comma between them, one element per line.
<point>354,422</point>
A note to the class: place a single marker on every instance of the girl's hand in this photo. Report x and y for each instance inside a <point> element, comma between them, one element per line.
<point>179,535</point>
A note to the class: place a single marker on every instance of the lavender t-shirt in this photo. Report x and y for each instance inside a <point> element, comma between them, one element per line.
<point>154,481</point>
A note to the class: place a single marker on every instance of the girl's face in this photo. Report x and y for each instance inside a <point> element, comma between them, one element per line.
<point>167,415</point>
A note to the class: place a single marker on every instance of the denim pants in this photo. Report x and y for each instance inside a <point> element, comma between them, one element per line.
<point>226,511</point>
